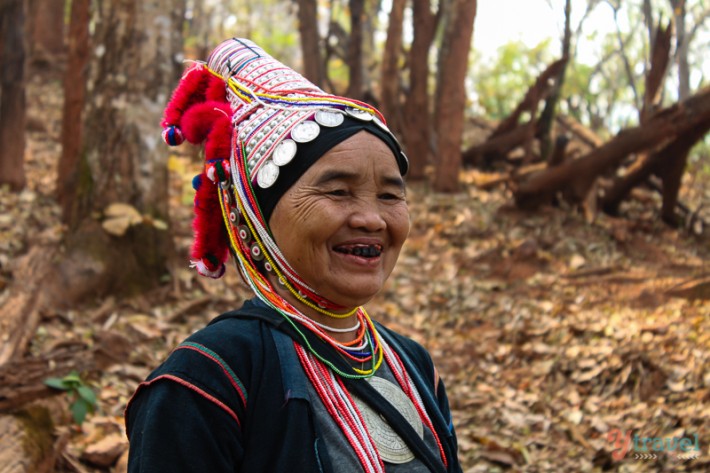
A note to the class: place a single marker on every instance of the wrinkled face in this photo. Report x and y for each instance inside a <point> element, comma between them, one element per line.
<point>342,225</point>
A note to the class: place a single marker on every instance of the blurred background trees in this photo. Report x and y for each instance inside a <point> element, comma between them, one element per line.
<point>417,61</point>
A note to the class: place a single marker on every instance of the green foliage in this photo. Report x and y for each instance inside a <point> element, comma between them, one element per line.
<point>82,397</point>
<point>501,84</point>
<point>269,23</point>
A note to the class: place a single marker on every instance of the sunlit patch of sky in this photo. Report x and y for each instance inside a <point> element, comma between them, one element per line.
<point>534,21</point>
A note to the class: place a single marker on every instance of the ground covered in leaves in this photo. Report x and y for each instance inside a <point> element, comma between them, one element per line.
<point>549,331</point>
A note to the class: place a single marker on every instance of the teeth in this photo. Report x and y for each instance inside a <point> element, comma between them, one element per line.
<point>365,251</point>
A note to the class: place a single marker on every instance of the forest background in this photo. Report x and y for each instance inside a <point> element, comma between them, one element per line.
<point>557,265</point>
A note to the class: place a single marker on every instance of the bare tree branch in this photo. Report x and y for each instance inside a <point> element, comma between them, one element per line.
<point>622,51</point>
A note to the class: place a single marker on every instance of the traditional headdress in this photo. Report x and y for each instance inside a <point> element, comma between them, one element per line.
<point>263,126</point>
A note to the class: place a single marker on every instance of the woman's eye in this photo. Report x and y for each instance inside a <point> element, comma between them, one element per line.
<point>338,192</point>
<point>389,196</point>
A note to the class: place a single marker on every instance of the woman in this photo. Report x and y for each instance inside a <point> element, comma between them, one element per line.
<point>306,191</point>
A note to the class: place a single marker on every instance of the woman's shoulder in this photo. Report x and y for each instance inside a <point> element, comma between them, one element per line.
<point>234,340</point>
<point>218,361</point>
<point>229,332</point>
<point>236,334</point>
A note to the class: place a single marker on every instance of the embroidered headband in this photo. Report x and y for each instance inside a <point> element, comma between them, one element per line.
<point>263,125</point>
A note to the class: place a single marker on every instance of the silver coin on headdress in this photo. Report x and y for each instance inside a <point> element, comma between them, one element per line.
<point>359,114</point>
<point>381,124</point>
<point>329,119</point>
<point>305,132</point>
<point>267,175</point>
<point>284,152</point>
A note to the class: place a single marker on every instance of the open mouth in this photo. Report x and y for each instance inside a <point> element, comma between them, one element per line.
<point>366,251</point>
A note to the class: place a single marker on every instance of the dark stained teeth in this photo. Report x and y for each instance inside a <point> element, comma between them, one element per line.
<point>365,251</point>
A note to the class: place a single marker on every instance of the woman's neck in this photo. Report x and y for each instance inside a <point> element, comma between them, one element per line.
<point>324,321</point>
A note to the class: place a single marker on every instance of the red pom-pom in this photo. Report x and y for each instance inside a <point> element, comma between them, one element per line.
<point>191,90</point>
<point>197,123</point>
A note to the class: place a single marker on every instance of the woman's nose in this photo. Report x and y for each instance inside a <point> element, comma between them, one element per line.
<point>368,216</point>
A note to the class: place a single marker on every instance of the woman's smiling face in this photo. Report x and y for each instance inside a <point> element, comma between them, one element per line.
<point>342,225</point>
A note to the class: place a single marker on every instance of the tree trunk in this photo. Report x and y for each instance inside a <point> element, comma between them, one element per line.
<point>390,79</point>
<point>354,54</point>
<point>370,56</point>
<point>648,19</point>
<point>558,154</point>
<point>74,98</point>
<point>672,170</point>
<point>122,159</point>
<point>417,129</point>
<point>12,94</point>
<point>548,113</point>
<point>578,176</point>
<point>681,49</point>
<point>310,41</point>
<point>451,92</point>
<point>46,30</point>
<point>645,163</point>
<point>660,57</point>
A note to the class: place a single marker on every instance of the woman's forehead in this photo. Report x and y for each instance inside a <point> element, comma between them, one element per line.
<point>359,154</point>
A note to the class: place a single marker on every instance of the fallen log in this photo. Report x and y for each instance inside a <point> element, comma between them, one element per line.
<point>694,289</point>
<point>656,163</point>
<point>532,97</point>
<point>22,381</point>
<point>509,133</point>
<point>578,176</point>
<point>20,313</point>
<point>578,131</point>
<point>497,146</point>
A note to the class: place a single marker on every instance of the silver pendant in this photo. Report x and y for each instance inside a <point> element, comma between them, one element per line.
<point>390,445</point>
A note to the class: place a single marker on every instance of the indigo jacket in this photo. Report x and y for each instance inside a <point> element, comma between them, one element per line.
<point>233,398</point>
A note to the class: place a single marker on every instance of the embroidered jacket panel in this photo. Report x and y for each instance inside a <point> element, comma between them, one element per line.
<point>229,399</point>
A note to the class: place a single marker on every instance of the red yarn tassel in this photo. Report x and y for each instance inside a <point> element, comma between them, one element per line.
<point>210,248</point>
